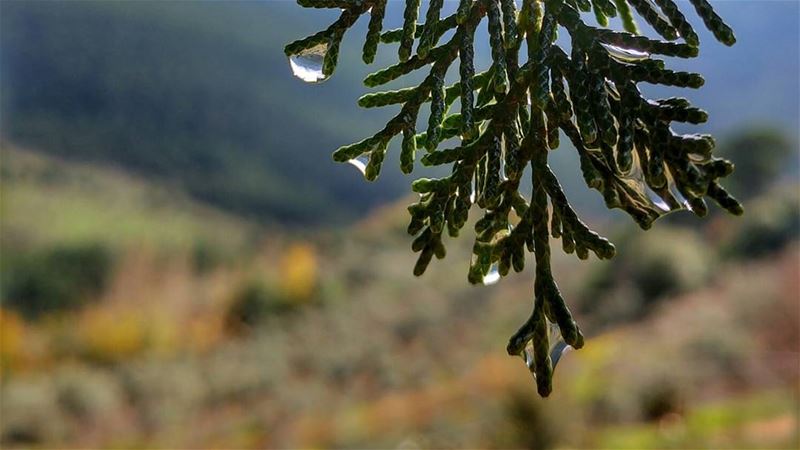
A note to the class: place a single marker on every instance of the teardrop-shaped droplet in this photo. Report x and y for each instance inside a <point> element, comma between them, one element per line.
<point>557,345</point>
<point>503,176</point>
<point>360,163</point>
<point>554,331</point>
<point>625,54</point>
<point>658,202</point>
<point>307,64</point>
<point>559,349</point>
<point>491,277</point>
<point>473,196</point>
<point>527,355</point>
<point>658,11</point>
<point>673,189</point>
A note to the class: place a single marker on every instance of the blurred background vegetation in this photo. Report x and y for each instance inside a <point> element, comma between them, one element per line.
<point>184,267</point>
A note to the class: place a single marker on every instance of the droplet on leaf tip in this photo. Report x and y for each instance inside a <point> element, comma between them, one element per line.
<point>657,201</point>
<point>491,277</point>
<point>359,163</point>
<point>307,64</point>
<point>527,355</point>
<point>625,54</point>
<point>557,351</point>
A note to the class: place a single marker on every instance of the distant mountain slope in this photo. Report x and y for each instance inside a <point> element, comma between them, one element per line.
<point>198,93</point>
<point>46,201</point>
<point>756,79</point>
<point>201,95</point>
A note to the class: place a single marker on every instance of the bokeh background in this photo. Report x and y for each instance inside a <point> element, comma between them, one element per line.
<point>183,266</point>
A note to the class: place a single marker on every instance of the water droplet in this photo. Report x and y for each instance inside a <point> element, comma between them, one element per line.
<point>658,202</point>
<point>491,277</point>
<point>558,347</point>
<point>360,163</point>
<point>555,331</point>
<point>658,11</point>
<point>625,54</point>
<point>673,189</point>
<point>473,195</point>
<point>527,355</point>
<point>503,176</point>
<point>307,65</point>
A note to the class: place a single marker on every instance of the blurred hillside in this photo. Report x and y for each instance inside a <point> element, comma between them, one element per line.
<point>195,94</point>
<point>199,95</point>
<point>183,266</point>
<point>134,338</point>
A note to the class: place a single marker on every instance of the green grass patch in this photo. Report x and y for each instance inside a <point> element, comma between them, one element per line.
<point>46,201</point>
<point>742,422</point>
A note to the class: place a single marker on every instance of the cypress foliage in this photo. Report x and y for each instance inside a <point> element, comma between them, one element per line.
<point>510,117</point>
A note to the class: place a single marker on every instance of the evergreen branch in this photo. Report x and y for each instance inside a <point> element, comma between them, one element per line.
<point>510,117</point>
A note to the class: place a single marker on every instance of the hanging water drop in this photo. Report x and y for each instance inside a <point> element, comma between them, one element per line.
<point>558,347</point>
<point>698,158</point>
<point>473,196</point>
<point>657,201</point>
<point>360,163</point>
<point>527,355</point>
<point>307,64</point>
<point>491,277</point>
<point>625,54</point>
<point>673,189</point>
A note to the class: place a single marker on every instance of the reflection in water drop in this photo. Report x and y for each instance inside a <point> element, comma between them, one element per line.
<point>661,201</point>
<point>673,189</point>
<point>503,176</point>
<point>360,163</point>
<point>557,345</point>
<point>658,202</point>
<point>528,356</point>
<point>658,11</point>
<point>697,158</point>
<point>491,277</point>
<point>559,349</point>
<point>473,196</point>
<point>625,54</point>
<point>307,65</point>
